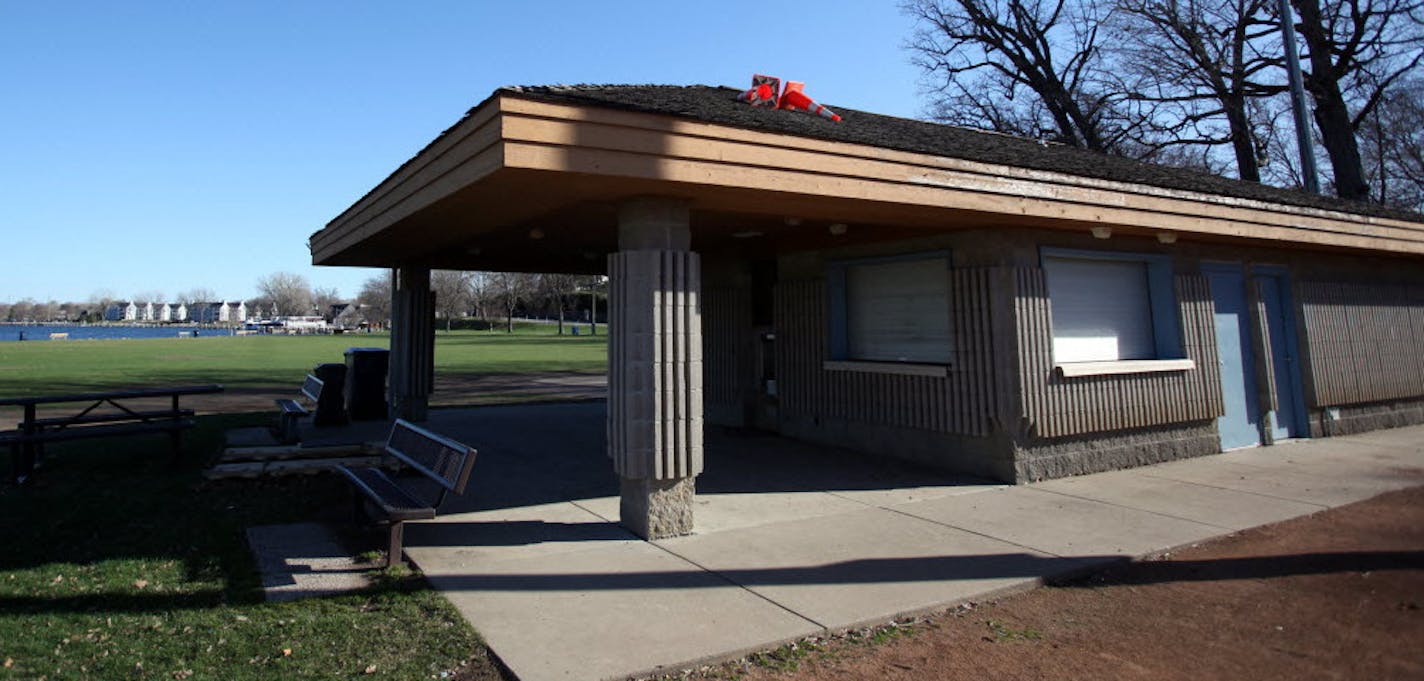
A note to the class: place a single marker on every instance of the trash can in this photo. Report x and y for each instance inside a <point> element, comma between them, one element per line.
<point>331,404</point>
<point>366,383</point>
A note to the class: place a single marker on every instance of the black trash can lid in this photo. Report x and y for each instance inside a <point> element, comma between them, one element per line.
<point>350,351</point>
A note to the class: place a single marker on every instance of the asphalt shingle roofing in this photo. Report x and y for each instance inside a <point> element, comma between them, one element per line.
<point>719,105</point>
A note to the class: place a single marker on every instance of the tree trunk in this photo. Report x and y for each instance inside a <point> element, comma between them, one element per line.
<point>1332,116</point>
<point>1242,143</point>
<point>1338,135</point>
<point>561,319</point>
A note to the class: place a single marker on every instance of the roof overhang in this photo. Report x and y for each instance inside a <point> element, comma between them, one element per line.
<point>523,183</point>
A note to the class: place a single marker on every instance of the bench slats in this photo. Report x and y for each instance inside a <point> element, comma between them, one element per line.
<point>441,459</point>
<point>433,458</point>
<point>291,407</point>
<point>312,387</point>
<point>290,411</point>
<point>396,503</point>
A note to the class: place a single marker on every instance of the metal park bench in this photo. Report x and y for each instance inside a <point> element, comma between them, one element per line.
<point>435,466</point>
<point>105,415</point>
<point>290,412</point>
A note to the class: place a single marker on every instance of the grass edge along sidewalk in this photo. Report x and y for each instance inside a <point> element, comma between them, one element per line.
<point>119,566</point>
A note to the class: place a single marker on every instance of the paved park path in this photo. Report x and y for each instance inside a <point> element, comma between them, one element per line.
<point>560,591</point>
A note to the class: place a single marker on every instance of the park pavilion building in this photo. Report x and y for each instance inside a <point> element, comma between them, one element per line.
<point>976,302</point>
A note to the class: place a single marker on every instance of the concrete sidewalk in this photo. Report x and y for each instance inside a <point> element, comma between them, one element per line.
<point>559,591</point>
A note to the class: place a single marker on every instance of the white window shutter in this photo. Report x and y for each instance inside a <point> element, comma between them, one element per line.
<point>1102,309</point>
<point>898,311</point>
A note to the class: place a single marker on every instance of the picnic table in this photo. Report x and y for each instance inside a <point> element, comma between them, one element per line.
<point>100,414</point>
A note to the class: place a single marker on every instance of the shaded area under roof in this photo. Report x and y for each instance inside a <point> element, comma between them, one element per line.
<point>719,105</point>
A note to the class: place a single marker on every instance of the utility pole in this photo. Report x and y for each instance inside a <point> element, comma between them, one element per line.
<point>1297,85</point>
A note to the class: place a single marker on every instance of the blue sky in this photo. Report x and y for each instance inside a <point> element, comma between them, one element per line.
<point>156,147</point>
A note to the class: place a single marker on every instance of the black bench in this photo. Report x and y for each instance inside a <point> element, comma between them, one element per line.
<point>290,412</point>
<point>435,466</point>
<point>106,415</point>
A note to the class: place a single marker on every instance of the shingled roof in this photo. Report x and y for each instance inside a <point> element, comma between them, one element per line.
<point>719,105</point>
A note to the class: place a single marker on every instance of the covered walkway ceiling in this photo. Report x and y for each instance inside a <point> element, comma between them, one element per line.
<point>531,179</point>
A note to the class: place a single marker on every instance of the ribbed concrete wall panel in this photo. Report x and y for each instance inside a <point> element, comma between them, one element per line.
<point>655,364</point>
<point>1363,343</point>
<point>962,401</point>
<point>726,323</point>
<point>1056,406</point>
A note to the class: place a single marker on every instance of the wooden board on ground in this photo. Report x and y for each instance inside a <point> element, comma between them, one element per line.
<point>276,452</point>
<point>254,469</point>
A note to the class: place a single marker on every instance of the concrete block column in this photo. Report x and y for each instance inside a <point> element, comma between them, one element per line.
<point>412,362</point>
<point>655,367</point>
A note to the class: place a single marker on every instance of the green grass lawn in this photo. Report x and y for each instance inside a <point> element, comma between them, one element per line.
<point>272,362</point>
<point>118,565</point>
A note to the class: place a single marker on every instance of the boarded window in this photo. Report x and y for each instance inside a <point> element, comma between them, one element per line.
<point>898,310</point>
<point>1102,309</point>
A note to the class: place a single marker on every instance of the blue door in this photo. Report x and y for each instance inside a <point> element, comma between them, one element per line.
<point>1240,426</point>
<point>1286,421</point>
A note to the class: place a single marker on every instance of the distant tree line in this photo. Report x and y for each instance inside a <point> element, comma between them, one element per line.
<point>1195,83</point>
<point>495,298</point>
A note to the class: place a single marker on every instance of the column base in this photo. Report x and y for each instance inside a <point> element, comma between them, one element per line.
<point>657,509</point>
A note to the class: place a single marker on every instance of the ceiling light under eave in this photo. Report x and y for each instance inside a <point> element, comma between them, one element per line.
<point>1102,232</point>
<point>748,234</point>
<point>838,228</point>
<point>1167,237</point>
<point>536,233</point>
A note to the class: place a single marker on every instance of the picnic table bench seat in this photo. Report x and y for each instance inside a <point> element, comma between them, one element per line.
<point>106,415</point>
<point>433,467</point>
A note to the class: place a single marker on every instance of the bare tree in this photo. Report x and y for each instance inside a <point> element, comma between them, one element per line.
<point>45,312</point>
<point>558,291</point>
<point>375,298</point>
<point>1357,50</point>
<point>22,310</point>
<point>286,294</point>
<point>197,295</point>
<point>477,291</point>
<point>323,299</point>
<point>508,290</point>
<point>1392,143</point>
<point>1025,67</point>
<point>452,294</point>
<point>1195,66</point>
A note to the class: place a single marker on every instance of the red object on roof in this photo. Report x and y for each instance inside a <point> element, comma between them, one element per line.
<point>795,99</point>
<point>764,92</point>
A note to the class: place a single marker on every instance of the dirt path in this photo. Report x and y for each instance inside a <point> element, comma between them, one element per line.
<point>1336,595</point>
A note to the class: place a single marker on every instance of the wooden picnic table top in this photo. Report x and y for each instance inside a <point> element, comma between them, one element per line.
<point>133,394</point>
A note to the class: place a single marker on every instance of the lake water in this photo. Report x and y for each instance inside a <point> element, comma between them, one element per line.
<point>41,332</point>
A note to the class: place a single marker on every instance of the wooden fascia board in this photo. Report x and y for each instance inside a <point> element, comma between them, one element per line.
<point>465,154</point>
<point>565,138</point>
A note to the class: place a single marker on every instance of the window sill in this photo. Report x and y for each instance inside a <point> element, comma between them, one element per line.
<point>1131,366</point>
<point>899,368</point>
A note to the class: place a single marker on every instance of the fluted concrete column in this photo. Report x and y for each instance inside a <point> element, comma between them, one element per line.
<point>655,367</point>
<point>412,362</point>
